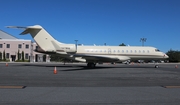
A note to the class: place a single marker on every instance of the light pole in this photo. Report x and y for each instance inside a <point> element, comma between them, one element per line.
<point>143,40</point>
<point>76,44</point>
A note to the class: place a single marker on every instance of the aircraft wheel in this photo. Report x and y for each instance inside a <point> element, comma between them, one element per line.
<point>91,65</point>
<point>88,65</point>
<point>156,66</point>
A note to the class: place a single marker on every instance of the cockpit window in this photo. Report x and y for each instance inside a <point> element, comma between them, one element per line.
<point>157,50</point>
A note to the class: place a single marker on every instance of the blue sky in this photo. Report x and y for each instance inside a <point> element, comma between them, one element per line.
<point>98,21</point>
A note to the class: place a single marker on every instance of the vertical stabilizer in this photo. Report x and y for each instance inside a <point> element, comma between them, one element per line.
<point>41,37</point>
<point>45,41</point>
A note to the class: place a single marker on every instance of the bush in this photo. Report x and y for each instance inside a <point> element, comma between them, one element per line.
<point>22,61</point>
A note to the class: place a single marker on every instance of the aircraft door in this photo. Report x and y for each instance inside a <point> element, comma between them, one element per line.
<point>109,51</point>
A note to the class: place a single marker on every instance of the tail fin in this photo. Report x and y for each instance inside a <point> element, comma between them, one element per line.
<point>41,37</point>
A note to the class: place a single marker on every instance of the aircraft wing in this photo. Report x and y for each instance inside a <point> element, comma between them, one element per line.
<point>103,58</point>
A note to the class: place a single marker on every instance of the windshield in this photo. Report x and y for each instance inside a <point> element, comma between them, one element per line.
<point>157,50</point>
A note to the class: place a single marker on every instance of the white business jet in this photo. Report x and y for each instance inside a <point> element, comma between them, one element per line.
<point>90,54</point>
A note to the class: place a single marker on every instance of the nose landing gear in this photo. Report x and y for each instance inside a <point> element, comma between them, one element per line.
<point>156,66</point>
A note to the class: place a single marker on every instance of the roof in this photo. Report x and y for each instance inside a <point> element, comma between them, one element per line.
<point>4,35</point>
<point>15,40</point>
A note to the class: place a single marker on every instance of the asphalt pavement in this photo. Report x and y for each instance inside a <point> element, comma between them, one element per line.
<point>75,84</point>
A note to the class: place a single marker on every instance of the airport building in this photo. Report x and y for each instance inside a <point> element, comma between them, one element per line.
<point>13,49</point>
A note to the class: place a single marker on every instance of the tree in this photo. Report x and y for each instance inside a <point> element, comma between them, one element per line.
<point>122,44</point>
<point>4,55</point>
<point>18,55</point>
<point>174,56</point>
<point>22,56</point>
<point>0,56</point>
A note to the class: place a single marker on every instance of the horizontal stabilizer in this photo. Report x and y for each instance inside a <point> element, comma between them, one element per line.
<point>21,27</point>
<point>27,29</point>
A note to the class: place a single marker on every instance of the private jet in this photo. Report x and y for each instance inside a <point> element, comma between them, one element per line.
<point>90,54</point>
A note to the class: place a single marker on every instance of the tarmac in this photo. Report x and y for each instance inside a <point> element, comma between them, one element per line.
<point>75,84</point>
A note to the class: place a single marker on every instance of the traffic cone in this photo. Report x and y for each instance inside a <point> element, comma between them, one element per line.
<point>176,66</point>
<point>6,64</point>
<point>55,71</point>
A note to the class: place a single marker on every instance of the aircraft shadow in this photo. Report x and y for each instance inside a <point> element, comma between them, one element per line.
<point>96,68</point>
<point>80,67</point>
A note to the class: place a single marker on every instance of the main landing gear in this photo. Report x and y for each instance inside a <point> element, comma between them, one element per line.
<point>91,65</point>
<point>156,66</point>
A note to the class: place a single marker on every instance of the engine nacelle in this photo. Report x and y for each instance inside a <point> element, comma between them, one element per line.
<point>80,59</point>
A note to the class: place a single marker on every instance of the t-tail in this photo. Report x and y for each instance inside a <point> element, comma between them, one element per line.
<point>45,41</point>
